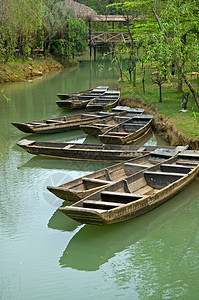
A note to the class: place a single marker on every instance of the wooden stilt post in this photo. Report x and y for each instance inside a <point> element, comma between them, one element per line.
<point>95,53</point>
<point>90,39</point>
<point>90,53</point>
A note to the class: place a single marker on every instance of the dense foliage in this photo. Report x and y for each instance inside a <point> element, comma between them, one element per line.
<point>164,32</point>
<point>31,26</point>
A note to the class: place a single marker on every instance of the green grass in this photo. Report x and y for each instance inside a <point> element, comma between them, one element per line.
<point>185,122</point>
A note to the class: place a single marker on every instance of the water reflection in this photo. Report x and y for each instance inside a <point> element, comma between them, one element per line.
<point>66,165</point>
<point>92,246</point>
<point>59,221</point>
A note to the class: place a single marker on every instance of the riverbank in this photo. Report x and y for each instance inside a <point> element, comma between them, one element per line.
<point>163,124</point>
<point>178,126</point>
<point>24,70</point>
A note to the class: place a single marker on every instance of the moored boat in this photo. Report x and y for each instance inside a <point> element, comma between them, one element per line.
<point>96,91</point>
<point>81,100</point>
<point>86,185</point>
<point>106,101</point>
<point>65,123</point>
<point>98,152</point>
<point>138,193</point>
<point>101,126</point>
<point>128,131</point>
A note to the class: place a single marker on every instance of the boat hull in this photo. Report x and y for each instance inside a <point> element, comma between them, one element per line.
<point>61,124</point>
<point>85,151</point>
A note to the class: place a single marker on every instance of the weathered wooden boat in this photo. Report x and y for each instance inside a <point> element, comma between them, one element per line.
<point>97,91</point>
<point>133,110</point>
<point>128,131</point>
<point>137,194</point>
<point>77,102</point>
<point>86,185</point>
<point>107,101</point>
<point>74,151</point>
<point>101,126</point>
<point>65,123</point>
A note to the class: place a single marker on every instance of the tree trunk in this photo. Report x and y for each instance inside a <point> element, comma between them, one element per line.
<point>160,91</point>
<point>179,89</point>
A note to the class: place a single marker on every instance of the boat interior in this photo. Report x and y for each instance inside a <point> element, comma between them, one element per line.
<point>138,186</point>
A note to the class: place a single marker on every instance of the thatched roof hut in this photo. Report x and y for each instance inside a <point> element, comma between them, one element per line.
<point>80,10</point>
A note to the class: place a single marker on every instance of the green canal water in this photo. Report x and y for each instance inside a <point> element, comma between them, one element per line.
<point>44,254</point>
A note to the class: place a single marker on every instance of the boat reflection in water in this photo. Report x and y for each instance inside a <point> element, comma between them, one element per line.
<point>60,222</point>
<point>66,165</point>
<point>92,246</point>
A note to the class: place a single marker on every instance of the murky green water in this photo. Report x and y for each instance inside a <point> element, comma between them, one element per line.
<point>45,255</point>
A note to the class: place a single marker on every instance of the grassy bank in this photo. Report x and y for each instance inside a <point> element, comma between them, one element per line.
<point>22,70</point>
<point>169,111</point>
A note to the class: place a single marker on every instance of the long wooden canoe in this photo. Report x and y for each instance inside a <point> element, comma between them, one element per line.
<point>98,90</point>
<point>65,123</point>
<point>107,101</point>
<point>128,131</point>
<point>86,185</point>
<point>75,151</point>
<point>137,194</point>
<point>80,101</point>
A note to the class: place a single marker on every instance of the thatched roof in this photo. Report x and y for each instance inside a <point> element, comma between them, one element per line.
<point>80,10</point>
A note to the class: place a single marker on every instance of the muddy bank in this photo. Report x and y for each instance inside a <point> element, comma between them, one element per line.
<point>162,125</point>
<point>22,71</point>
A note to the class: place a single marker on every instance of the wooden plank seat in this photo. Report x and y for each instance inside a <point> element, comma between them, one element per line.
<point>102,125</point>
<point>95,180</point>
<point>86,116</point>
<point>134,124</point>
<point>54,121</point>
<point>87,97</point>
<point>175,168</point>
<point>36,123</point>
<point>141,149</point>
<point>187,163</point>
<point>101,204</point>
<point>159,180</point>
<point>129,165</point>
<point>68,146</point>
<point>117,133</point>
<point>120,197</point>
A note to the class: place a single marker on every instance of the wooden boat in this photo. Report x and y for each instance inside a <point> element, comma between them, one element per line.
<point>137,194</point>
<point>107,101</point>
<point>65,123</point>
<point>128,131</point>
<point>86,185</point>
<point>77,102</point>
<point>133,110</point>
<point>74,151</point>
<point>98,90</point>
<point>101,126</point>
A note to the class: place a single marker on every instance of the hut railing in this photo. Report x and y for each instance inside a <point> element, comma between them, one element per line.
<point>98,37</point>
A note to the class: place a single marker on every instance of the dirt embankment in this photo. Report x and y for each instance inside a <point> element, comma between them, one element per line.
<point>162,125</point>
<point>21,71</point>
